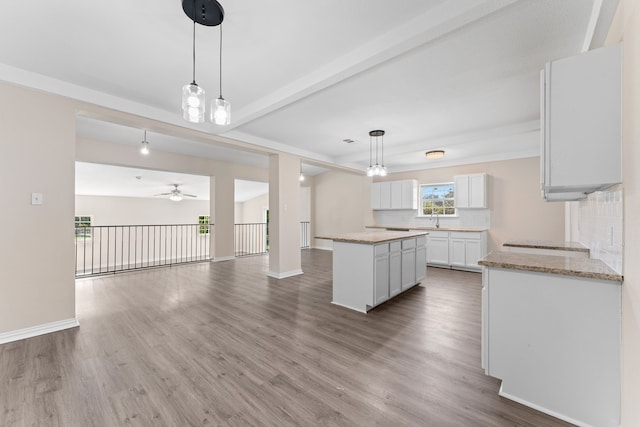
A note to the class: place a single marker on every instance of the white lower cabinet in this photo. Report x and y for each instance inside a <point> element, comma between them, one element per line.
<point>456,249</point>
<point>395,269</point>
<point>408,263</point>
<point>421,257</point>
<point>381,273</point>
<point>438,248</point>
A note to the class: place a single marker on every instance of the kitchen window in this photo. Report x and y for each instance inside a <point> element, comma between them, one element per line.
<point>437,199</point>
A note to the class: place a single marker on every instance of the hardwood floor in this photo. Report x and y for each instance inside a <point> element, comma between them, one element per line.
<point>223,344</point>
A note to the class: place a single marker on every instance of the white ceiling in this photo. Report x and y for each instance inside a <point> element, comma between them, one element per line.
<point>458,75</point>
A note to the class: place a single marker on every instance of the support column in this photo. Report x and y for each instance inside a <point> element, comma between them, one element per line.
<point>222,189</point>
<point>284,216</point>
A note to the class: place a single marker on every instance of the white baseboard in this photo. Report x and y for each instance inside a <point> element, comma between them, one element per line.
<point>285,274</point>
<point>223,258</point>
<point>34,331</point>
<point>541,408</point>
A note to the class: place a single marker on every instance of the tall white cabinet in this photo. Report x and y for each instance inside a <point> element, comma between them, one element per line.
<point>580,122</point>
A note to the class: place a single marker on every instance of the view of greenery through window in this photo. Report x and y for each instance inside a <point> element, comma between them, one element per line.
<point>203,228</point>
<point>437,199</point>
<point>83,227</point>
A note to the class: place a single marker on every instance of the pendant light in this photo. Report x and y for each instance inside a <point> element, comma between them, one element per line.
<point>193,96</point>
<point>301,174</point>
<point>220,108</point>
<point>379,169</point>
<point>145,144</point>
<point>209,13</point>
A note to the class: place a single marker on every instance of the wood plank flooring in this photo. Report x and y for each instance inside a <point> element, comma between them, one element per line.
<point>223,344</point>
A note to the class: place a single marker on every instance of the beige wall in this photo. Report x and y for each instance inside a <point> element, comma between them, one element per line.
<point>629,32</point>
<point>342,204</point>
<point>284,215</point>
<point>37,154</point>
<point>517,209</point>
<point>140,211</point>
<point>253,209</point>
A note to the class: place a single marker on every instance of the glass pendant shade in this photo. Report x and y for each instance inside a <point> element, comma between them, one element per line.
<point>370,171</point>
<point>193,103</point>
<point>383,171</point>
<point>220,111</point>
<point>145,148</point>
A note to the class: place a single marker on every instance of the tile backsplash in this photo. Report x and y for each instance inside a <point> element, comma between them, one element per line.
<point>471,218</point>
<point>599,226</point>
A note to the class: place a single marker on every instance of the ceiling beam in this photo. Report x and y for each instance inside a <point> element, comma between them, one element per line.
<point>432,25</point>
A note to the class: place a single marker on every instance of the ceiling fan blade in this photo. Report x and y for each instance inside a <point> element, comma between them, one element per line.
<point>163,194</point>
<point>189,195</point>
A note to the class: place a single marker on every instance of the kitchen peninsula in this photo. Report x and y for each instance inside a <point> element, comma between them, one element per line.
<point>370,268</point>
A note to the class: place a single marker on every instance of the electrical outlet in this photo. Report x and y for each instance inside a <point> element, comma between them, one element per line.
<point>36,198</point>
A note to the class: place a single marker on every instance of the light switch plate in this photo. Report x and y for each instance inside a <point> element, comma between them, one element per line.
<point>36,198</point>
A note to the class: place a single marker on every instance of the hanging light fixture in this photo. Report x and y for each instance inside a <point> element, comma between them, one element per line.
<point>220,108</point>
<point>145,144</point>
<point>209,13</point>
<point>301,174</point>
<point>379,169</point>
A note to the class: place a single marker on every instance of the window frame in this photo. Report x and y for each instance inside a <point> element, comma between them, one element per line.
<point>452,199</point>
<point>80,219</point>
<point>204,228</point>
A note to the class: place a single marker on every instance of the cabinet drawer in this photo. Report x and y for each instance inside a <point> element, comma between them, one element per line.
<point>409,243</point>
<point>395,246</point>
<point>475,235</point>
<point>381,249</point>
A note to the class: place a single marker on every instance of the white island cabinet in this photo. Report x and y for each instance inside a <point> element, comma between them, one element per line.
<point>370,268</point>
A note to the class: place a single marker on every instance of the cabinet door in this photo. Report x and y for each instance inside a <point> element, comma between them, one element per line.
<point>438,250</point>
<point>375,195</point>
<point>408,268</point>
<point>477,190</point>
<point>395,273</point>
<point>396,195</point>
<point>385,195</point>
<point>410,194</point>
<point>381,277</point>
<point>473,253</point>
<point>461,191</point>
<point>582,150</point>
<point>421,267</point>
<point>457,252</point>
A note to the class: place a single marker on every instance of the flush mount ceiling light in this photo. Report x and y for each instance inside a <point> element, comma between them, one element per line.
<point>378,169</point>
<point>434,154</point>
<point>208,13</point>
<point>145,144</point>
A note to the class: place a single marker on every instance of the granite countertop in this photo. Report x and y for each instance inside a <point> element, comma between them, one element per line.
<point>431,228</point>
<point>543,244</point>
<point>372,237</point>
<point>552,264</point>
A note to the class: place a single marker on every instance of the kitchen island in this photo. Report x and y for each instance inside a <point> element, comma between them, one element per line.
<point>370,268</point>
<point>551,333</point>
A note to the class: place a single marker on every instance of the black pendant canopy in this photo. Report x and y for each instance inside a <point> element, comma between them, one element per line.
<point>208,12</point>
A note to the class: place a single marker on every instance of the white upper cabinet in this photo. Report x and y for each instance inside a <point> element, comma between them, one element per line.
<point>394,195</point>
<point>470,190</point>
<point>580,124</point>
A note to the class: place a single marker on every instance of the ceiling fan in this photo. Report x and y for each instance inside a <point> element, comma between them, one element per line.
<point>176,194</point>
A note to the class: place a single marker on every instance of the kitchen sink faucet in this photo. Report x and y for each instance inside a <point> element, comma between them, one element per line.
<point>437,218</point>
